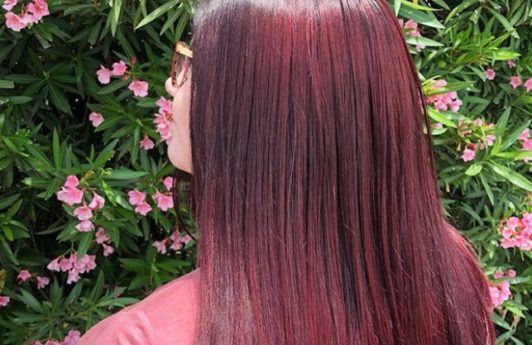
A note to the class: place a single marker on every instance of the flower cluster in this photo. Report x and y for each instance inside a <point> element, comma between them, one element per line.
<point>443,101</point>
<point>500,291</point>
<point>104,240</point>
<point>25,275</point>
<point>73,266</point>
<point>163,118</point>
<point>517,232</point>
<point>526,142</point>
<point>478,135</point>
<point>71,195</point>
<point>515,80</point>
<point>411,28</point>
<point>72,338</point>
<point>176,239</point>
<point>164,200</point>
<point>139,87</point>
<point>31,13</point>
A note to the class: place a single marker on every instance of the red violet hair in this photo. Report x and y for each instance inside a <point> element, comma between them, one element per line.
<point>314,185</point>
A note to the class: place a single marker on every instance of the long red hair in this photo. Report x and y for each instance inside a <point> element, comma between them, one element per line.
<point>314,186</point>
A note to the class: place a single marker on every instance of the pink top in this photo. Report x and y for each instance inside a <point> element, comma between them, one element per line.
<point>165,317</point>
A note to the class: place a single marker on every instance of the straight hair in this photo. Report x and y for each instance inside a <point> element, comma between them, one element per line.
<point>314,185</point>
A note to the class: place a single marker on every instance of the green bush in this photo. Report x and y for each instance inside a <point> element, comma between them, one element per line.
<point>86,219</point>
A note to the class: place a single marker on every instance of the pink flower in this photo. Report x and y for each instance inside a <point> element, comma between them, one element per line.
<point>119,68</point>
<point>511,273</point>
<point>524,134</point>
<point>85,226</point>
<point>96,118</point>
<point>72,338</point>
<point>4,300</point>
<point>143,208</point>
<point>176,245</point>
<point>443,101</point>
<point>139,88</point>
<point>500,293</point>
<point>510,63</point>
<point>165,105</point>
<point>175,237</point>
<point>489,74</point>
<point>185,239</point>
<point>468,155</point>
<point>136,197</point>
<point>23,276</point>
<point>38,8</point>
<point>42,282</point>
<point>517,232</point>
<point>164,201</point>
<point>9,4</point>
<point>97,202</point>
<point>515,81</point>
<point>54,265</point>
<point>168,182</point>
<point>70,196</point>
<point>52,342</point>
<point>527,144</point>
<point>15,22</point>
<point>411,26</point>
<point>498,274</point>
<point>104,75</point>
<point>71,181</point>
<point>83,212</point>
<point>101,237</point>
<point>490,138</point>
<point>146,143</point>
<point>161,245</point>
<point>85,264</point>
<point>107,249</point>
<point>528,84</point>
<point>162,122</point>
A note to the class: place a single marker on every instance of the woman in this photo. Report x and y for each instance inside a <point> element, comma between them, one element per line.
<point>314,190</point>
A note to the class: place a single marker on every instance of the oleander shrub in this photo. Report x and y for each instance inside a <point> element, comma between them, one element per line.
<point>87,219</point>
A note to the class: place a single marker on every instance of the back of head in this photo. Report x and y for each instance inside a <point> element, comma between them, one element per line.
<point>314,187</point>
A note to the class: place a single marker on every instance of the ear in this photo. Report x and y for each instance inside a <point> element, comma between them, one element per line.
<point>169,87</point>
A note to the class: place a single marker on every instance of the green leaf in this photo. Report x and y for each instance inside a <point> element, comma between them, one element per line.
<point>84,244</point>
<point>157,13</point>
<point>115,85</point>
<point>474,169</point>
<point>500,126</point>
<point>56,149</point>
<point>6,84</point>
<point>417,6</point>
<point>507,25</point>
<point>428,19</point>
<point>125,174</point>
<point>511,176</point>
<point>504,54</point>
<point>59,99</point>
<point>422,40</point>
<point>30,301</point>
<point>488,190</point>
<point>115,15</point>
<point>437,116</point>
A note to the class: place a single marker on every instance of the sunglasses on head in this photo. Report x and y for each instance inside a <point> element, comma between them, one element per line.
<point>181,63</point>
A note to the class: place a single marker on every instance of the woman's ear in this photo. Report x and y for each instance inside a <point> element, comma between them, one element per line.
<point>169,87</point>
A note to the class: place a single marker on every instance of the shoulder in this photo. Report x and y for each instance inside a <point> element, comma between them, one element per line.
<point>166,316</point>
